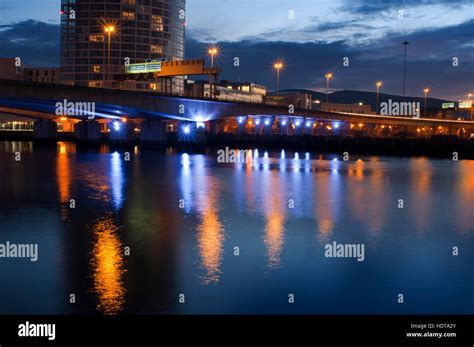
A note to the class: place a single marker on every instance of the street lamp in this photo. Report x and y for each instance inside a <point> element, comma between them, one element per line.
<point>213,51</point>
<point>405,44</point>
<point>426,91</point>
<point>328,77</point>
<point>378,85</point>
<point>278,66</point>
<point>109,29</point>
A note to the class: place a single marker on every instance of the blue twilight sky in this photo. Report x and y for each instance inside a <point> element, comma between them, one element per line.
<point>312,36</point>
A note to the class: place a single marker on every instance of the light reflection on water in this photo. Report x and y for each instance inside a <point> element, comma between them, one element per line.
<point>278,208</point>
<point>108,267</point>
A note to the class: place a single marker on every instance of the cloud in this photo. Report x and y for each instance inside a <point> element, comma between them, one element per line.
<point>36,43</point>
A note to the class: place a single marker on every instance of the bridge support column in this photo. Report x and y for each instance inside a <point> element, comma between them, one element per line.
<point>190,133</point>
<point>121,131</point>
<point>45,130</point>
<point>214,127</point>
<point>267,125</point>
<point>88,131</point>
<point>153,132</point>
<point>241,121</point>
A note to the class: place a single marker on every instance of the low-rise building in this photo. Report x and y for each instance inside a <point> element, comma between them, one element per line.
<point>41,74</point>
<point>226,91</point>
<point>349,108</point>
<point>297,99</point>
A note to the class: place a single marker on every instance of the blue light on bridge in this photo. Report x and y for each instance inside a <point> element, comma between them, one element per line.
<point>257,122</point>
<point>336,125</point>
<point>283,122</point>
<point>187,129</point>
<point>308,124</point>
<point>117,126</point>
<point>297,123</point>
<point>267,122</point>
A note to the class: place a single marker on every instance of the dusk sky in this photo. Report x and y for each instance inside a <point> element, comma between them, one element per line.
<point>312,42</point>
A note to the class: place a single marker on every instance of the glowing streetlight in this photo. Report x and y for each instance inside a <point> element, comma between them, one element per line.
<point>213,52</point>
<point>426,91</point>
<point>378,85</point>
<point>278,66</point>
<point>109,29</point>
<point>328,77</point>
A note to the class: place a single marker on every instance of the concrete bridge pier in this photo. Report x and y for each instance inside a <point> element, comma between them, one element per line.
<point>283,126</point>
<point>88,131</point>
<point>267,125</point>
<point>45,130</point>
<point>241,121</point>
<point>153,131</point>
<point>190,133</point>
<point>121,131</point>
<point>214,127</point>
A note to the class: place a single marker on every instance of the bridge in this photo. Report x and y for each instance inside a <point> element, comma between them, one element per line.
<point>39,101</point>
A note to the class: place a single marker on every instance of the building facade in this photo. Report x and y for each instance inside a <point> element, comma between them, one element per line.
<point>142,30</point>
<point>226,91</point>
<point>41,74</point>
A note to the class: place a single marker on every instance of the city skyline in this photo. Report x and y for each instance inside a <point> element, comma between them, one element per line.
<point>311,45</point>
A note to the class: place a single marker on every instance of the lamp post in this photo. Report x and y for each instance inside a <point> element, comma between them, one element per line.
<point>328,77</point>
<point>426,91</point>
<point>378,85</point>
<point>405,44</point>
<point>109,30</point>
<point>278,66</point>
<point>213,51</point>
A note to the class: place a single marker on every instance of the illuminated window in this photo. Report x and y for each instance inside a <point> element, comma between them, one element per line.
<point>94,84</point>
<point>96,38</point>
<point>246,89</point>
<point>96,68</point>
<point>153,86</point>
<point>156,49</point>
<point>128,15</point>
<point>157,23</point>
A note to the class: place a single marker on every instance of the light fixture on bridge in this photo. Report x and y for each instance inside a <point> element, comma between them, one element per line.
<point>267,122</point>
<point>308,124</point>
<point>336,125</point>
<point>297,123</point>
<point>283,122</point>
<point>240,120</point>
<point>186,129</point>
<point>124,119</point>
<point>257,122</point>
<point>116,125</point>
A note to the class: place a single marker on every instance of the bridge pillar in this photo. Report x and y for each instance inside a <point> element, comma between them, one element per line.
<point>45,129</point>
<point>121,131</point>
<point>87,130</point>
<point>214,127</point>
<point>153,131</point>
<point>241,121</point>
<point>190,133</point>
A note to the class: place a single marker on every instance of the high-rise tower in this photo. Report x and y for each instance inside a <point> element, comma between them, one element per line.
<point>132,31</point>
